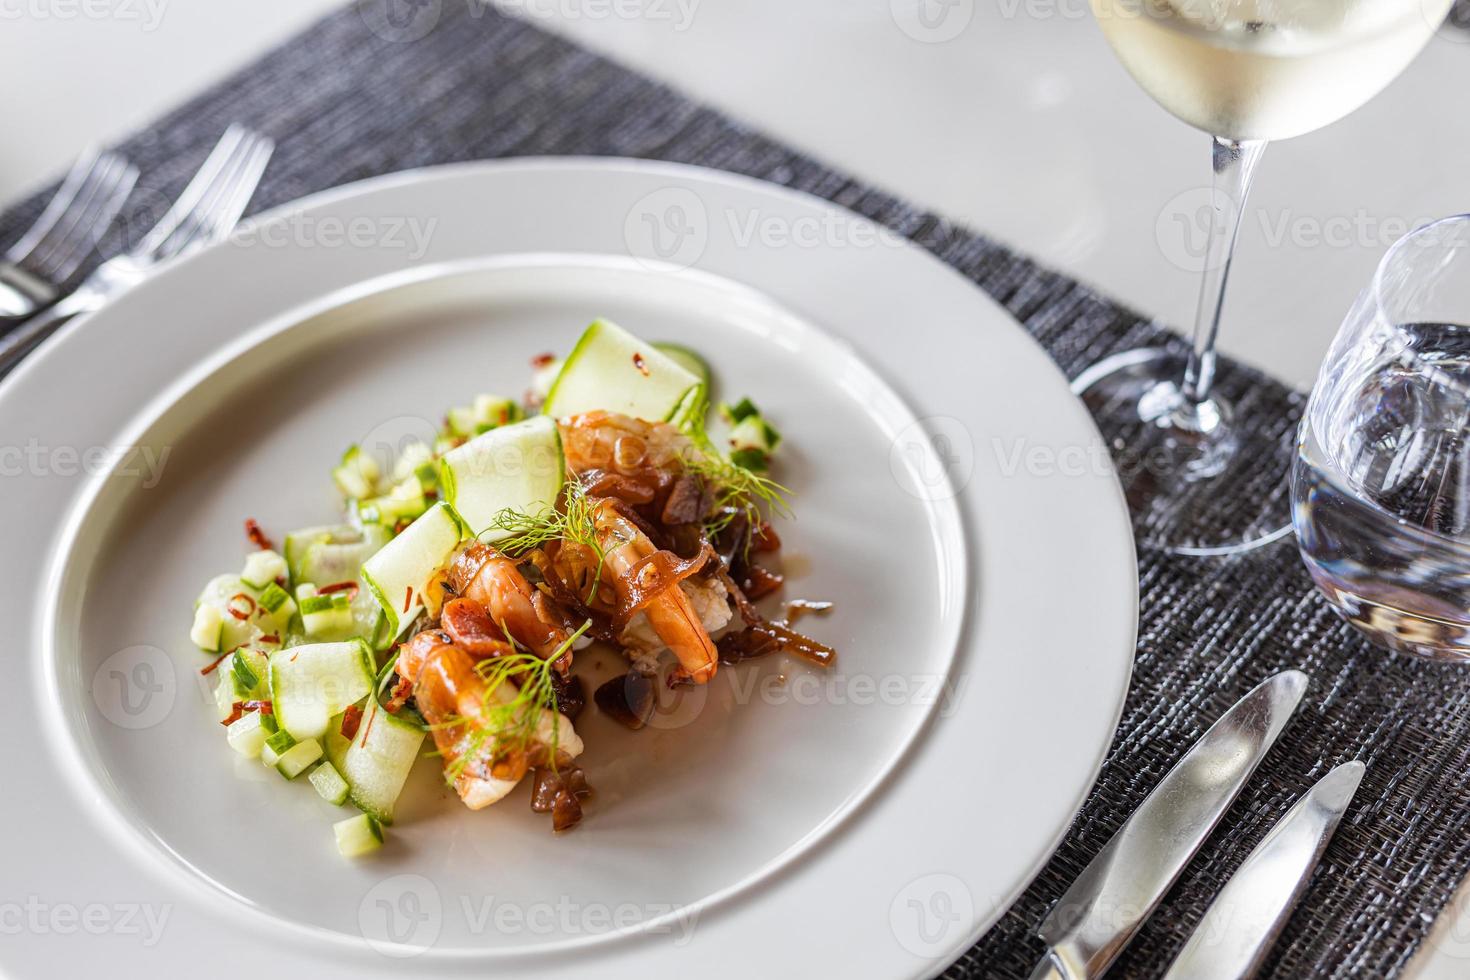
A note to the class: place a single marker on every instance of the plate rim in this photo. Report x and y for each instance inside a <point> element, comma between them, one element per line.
<point>596,166</point>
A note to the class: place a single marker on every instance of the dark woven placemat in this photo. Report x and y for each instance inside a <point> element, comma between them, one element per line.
<point>371,90</point>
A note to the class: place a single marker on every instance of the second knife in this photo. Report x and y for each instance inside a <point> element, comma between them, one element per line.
<point>1117,892</point>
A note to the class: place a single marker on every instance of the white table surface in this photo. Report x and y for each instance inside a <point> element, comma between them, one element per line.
<point>1009,115</point>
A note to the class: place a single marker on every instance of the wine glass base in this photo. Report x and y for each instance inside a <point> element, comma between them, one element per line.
<point>1196,482</point>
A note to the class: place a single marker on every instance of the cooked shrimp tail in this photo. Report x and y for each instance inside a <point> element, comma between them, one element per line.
<point>486,576</point>
<point>629,555</point>
<point>457,702</point>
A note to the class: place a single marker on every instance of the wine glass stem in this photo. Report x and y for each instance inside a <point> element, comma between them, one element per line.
<point>1234,162</point>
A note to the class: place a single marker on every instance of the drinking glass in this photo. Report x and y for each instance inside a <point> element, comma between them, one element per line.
<point>1245,72</point>
<point>1381,480</point>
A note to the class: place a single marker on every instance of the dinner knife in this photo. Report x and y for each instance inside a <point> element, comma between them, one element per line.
<point>1121,887</point>
<point>1244,920</point>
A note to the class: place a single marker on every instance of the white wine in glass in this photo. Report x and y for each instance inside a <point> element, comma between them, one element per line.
<point>1243,71</point>
<point>1259,69</point>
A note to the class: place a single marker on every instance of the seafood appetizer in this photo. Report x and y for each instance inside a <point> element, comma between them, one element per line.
<point>445,616</point>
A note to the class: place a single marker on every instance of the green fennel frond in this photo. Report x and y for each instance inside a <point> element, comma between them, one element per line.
<point>573,521</point>
<point>512,725</point>
<point>737,490</point>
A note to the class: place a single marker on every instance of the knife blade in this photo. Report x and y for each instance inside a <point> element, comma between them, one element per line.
<point>1244,920</point>
<point>1120,888</point>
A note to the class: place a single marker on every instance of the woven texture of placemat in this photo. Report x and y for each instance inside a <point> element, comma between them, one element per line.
<point>374,89</point>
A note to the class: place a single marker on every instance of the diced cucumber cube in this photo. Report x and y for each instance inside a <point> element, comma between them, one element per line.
<point>329,784</point>
<point>493,411</point>
<point>613,370</point>
<point>273,598</point>
<point>739,412</point>
<point>277,604</point>
<point>365,512</point>
<point>311,683</point>
<point>247,735</point>
<point>328,617</point>
<point>232,599</point>
<point>335,554</point>
<point>392,509</point>
<point>295,760</point>
<point>753,433</point>
<point>357,475</point>
<point>277,744</point>
<point>324,603</point>
<point>411,458</point>
<point>427,474</point>
<point>460,421</point>
<point>398,575</point>
<point>280,741</point>
<point>755,460</point>
<point>358,835</point>
<point>224,692</point>
<point>262,568</point>
<point>515,467</point>
<point>752,438</point>
<point>248,674</point>
<point>208,631</point>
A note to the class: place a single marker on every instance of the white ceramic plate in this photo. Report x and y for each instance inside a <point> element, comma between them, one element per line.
<point>872,819</point>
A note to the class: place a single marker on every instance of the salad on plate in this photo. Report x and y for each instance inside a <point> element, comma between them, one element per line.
<point>446,613</point>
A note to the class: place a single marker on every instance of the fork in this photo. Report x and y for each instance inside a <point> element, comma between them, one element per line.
<point>205,212</point>
<point>34,269</point>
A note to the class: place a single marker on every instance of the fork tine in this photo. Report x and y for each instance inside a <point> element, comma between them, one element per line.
<point>208,172</point>
<point>223,201</point>
<point>81,181</point>
<point>228,214</point>
<point>56,207</point>
<point>85,223</point>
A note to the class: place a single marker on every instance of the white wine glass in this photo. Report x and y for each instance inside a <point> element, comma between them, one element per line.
<point>1245,72</point>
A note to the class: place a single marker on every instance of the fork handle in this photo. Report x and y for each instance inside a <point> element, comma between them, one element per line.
<point>16,344</point>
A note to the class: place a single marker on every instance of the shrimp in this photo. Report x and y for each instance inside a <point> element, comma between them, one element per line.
<point>456,701</point>
<point>670,611</point>
<point>530,618</point>
<point>621,444</point>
